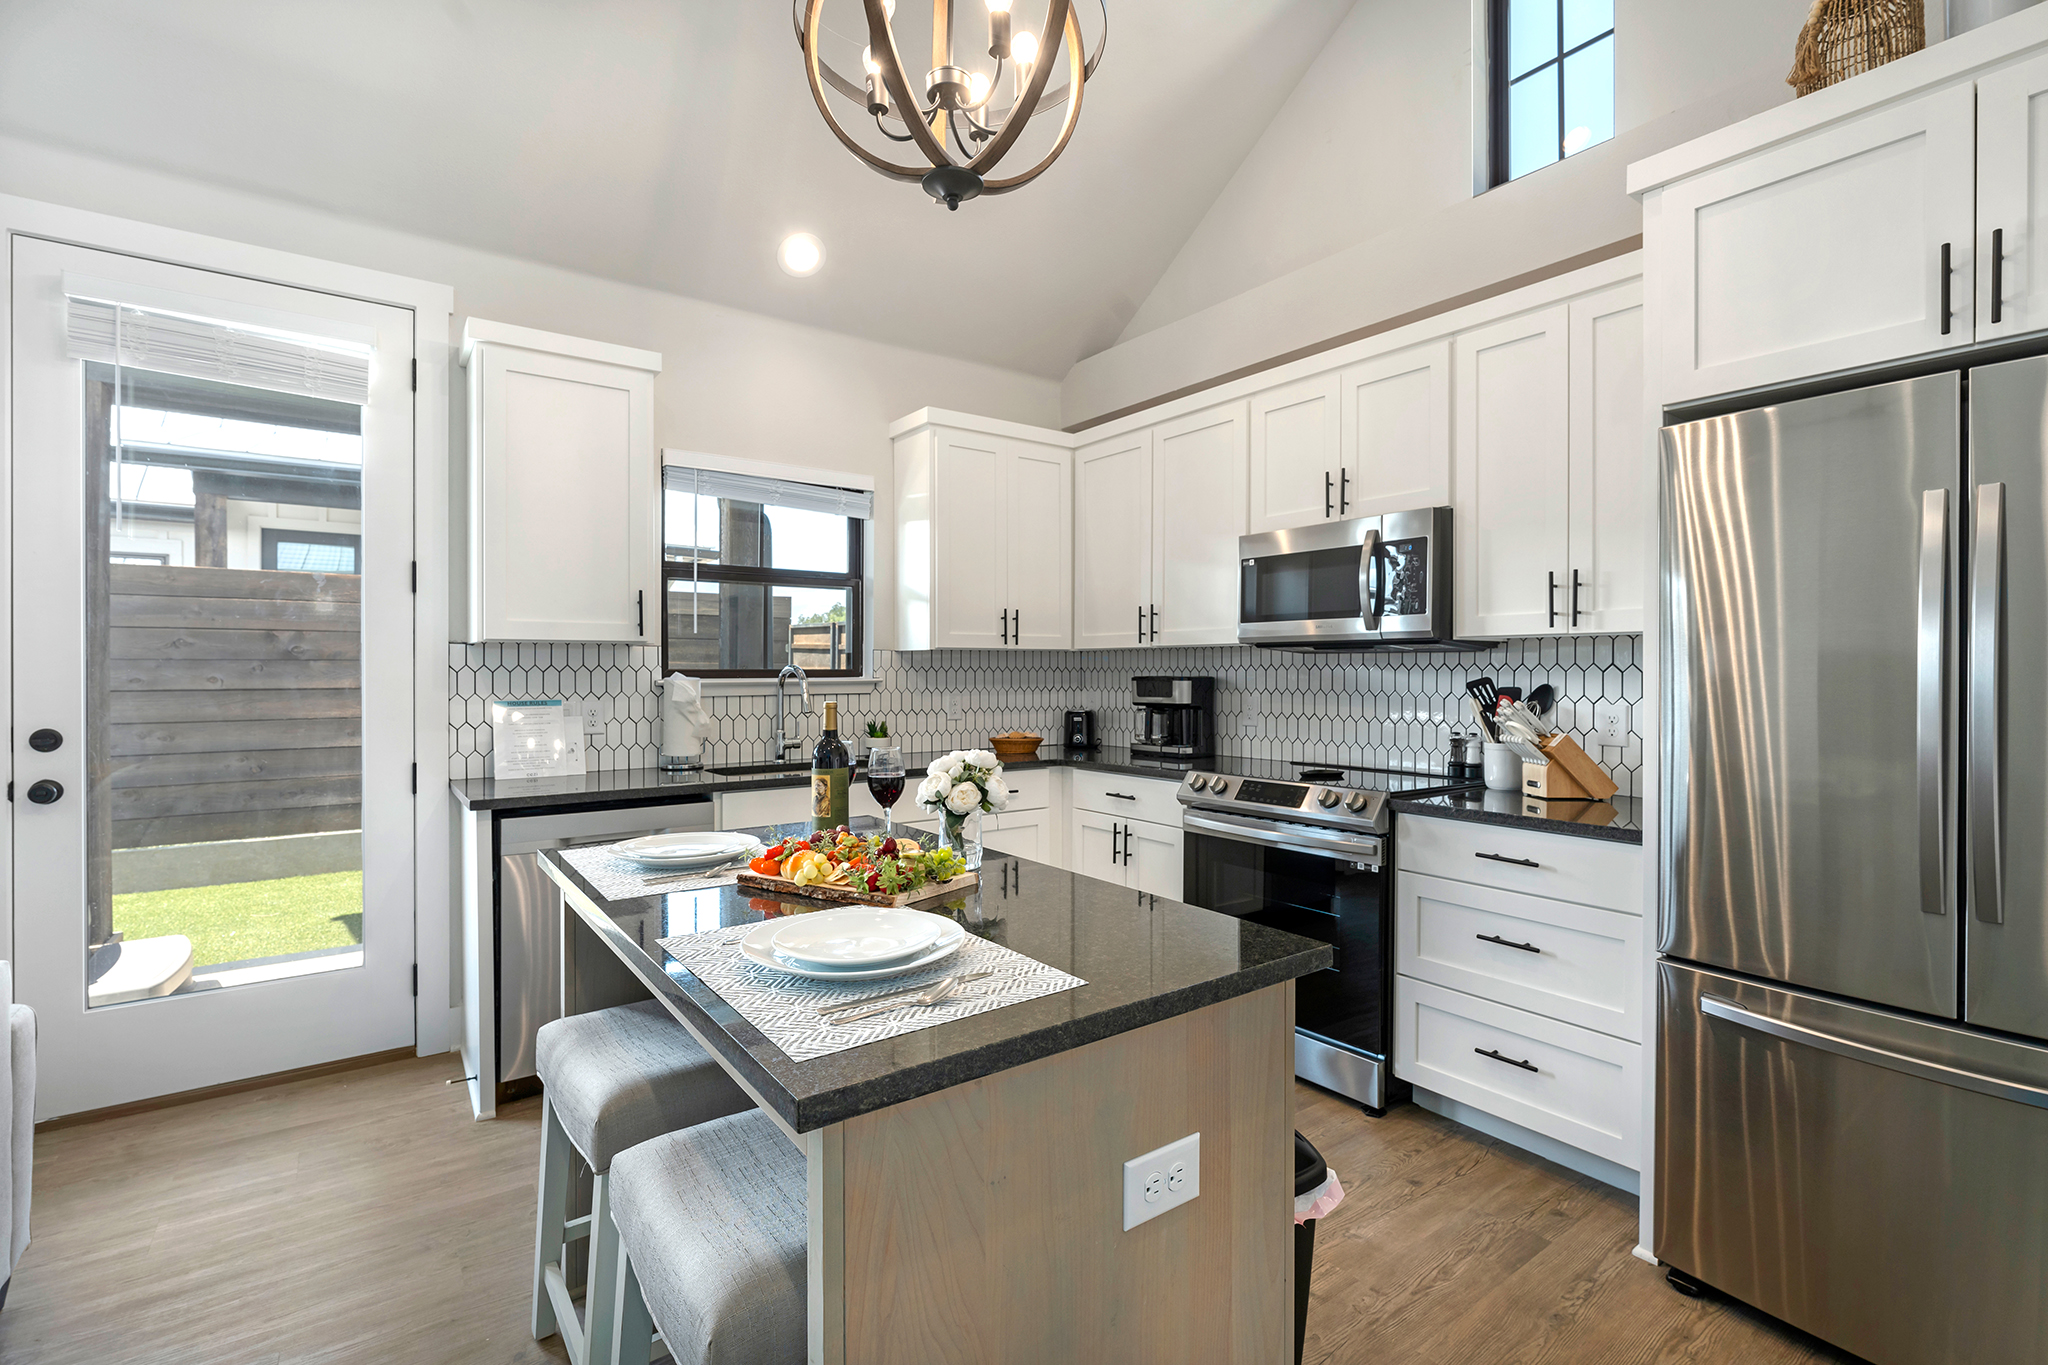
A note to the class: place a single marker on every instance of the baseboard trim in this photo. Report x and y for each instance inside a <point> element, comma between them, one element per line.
<point>208,1092</point>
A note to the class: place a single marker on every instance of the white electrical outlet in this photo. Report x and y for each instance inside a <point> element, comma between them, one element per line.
<point>1610,722</point>
<point>1162,1179</point>
<point>594,715</point>
<point>956,708</point>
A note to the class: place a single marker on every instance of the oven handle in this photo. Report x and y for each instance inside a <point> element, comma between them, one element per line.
<point>1261,832</point>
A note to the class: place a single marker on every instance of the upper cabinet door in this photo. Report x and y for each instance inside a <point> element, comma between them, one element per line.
<point>1037,545</point>
<point>1397,431</point>
<point>1513,505</point>
<point>969,563</point>
<point>565,492</point>
<point>1824,254</point>
<point>1296,462</point>
<point>1198,500</point>
<point>1112,533</point>
<point>1612,457</point>
<point>2012,200</point>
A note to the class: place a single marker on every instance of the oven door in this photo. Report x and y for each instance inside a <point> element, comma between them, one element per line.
<point>1310,585</point>
<point>1338,898</point>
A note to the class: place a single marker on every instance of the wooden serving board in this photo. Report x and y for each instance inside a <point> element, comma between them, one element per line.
<point>846,895</point>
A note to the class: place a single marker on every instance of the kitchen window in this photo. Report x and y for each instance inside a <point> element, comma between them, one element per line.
<point>761,572</point>
<point>1551,65</point>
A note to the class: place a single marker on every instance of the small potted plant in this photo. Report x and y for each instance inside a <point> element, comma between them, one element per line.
<point>878,734</point>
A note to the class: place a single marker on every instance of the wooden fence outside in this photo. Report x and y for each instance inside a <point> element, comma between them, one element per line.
<point>234,704</point>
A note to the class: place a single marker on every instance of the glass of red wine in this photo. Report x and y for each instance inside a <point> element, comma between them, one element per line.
<point>885,783</point>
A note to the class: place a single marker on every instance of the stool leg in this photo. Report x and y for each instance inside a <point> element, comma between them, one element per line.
<point>555,1151</point>
<point>634,1333</point>
<point>600,1293</point>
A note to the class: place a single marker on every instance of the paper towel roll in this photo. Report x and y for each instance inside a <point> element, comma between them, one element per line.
<point>685,724</point>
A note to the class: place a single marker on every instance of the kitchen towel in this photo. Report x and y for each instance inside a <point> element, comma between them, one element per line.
<point>685,724</point>
<point>616,879</point>
<point>785,1008</point>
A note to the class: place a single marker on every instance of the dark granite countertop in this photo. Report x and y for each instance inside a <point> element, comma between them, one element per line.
<point>1144,959</point>
<point>1618,821</point>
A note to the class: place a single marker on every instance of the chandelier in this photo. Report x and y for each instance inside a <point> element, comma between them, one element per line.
<point>961,125</point>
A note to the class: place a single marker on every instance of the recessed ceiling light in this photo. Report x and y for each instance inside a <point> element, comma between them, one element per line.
<point>801,254</point>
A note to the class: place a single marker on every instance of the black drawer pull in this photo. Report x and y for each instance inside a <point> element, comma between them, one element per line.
<point>1507,942</point>
<point>1121,797</point>
<point>1503,858</point>
<point>1489,1052</point>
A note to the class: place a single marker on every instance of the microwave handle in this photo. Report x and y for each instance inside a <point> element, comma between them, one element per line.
<point>1369,579</point>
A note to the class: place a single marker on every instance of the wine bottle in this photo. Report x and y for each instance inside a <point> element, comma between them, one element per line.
<point>831,775</point>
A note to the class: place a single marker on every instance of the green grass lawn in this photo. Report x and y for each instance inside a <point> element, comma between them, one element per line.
<point>243,920</point>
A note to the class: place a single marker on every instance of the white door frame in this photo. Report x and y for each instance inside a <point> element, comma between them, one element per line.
<point>433,308</point>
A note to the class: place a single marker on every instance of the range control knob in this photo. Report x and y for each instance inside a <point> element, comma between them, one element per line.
<point>1220,785</point>
<point>1199,782</point>
<point>1357,801</point>
<point>1327,798</point>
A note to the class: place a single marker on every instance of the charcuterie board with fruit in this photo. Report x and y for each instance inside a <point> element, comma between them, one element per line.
<point>857,869</point>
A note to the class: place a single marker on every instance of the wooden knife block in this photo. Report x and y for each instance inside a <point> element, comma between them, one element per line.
<point>1570,775</point>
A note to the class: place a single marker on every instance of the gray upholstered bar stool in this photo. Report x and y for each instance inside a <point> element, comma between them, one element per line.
<point>611,1079</point>
<point>712,1225</point>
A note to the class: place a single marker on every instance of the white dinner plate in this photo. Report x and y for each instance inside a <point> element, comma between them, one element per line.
<point>858,936</point>
<point>686,850</point>
<point>758,946</point>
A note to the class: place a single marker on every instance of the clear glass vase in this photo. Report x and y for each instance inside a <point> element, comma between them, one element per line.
<point>963,836</point>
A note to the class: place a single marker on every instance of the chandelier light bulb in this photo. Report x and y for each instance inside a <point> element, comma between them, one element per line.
<point>977,88</point>
<point>998,6</point>
<point>1024,47</point>
<point>801,254</point>
<point>867,59</point>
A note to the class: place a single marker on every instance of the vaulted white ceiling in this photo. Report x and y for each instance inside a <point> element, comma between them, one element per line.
<point>670,143</point>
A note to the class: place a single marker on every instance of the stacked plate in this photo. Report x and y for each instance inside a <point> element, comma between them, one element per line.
<point>687,852</point>
<point>854,944</point>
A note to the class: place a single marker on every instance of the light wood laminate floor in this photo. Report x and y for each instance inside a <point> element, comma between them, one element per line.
<point>363,1217</point>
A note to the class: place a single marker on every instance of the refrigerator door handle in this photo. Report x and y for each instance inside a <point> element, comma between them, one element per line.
<point>1987,625</point>
<point>1730,1012</point>
<point>1931,704</point>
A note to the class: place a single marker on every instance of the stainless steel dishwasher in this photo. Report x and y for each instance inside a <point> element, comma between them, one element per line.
<point>529,919</point>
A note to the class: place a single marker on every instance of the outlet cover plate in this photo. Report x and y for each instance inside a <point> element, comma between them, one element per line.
<point>1610,721</point>
<point>1162,1179</point>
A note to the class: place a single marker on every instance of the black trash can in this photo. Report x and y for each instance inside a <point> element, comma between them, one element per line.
<point>1310,1170</point>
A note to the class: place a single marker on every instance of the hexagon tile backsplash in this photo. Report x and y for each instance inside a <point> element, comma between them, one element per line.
<point>1379,711</point>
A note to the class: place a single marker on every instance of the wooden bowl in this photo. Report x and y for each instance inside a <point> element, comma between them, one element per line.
<point>1016,747</point>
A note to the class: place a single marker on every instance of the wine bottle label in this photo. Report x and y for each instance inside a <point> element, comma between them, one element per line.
<point>828,796</point>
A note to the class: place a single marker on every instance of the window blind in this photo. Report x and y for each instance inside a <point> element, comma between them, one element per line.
<point>805,497</point>
<point>202,348</point>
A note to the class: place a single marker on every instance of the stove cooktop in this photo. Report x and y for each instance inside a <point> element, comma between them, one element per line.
<point>1330,795</point>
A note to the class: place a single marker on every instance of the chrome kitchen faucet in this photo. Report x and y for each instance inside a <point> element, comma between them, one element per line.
<point>783,743</point>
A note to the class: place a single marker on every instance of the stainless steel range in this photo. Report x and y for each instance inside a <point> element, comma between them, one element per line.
<point>1310,850</point>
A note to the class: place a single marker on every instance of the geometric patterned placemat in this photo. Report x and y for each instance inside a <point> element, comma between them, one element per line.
<point>785,1008</point>
<point>619,880</point>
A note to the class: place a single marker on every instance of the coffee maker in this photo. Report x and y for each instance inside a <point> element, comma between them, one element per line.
<point>1176,718</point>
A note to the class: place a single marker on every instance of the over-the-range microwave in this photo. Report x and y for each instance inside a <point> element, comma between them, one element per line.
<point>1364,584</point>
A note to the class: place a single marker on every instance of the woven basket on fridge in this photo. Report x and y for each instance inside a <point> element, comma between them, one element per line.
<point>1844,38</point>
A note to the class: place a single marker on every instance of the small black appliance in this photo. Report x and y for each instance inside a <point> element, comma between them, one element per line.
<point>1080,730</point>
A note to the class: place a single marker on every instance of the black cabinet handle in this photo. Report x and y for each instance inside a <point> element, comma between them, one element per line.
<point>1006,625</point>
<point>640,612</point>
<point>1116,833</point>
<point>1343,491</point>
<point>45,792</point>
<point>1016,626</point>
<point>1507,942</point>
<point>1553,598</point>
<point>1121,797</point>
<point>1997,276</point>
<point>1155,621</point>
<point>1575,596</point>
<point>1946,273</point>
<point>44,741</point>
<point>1489,1052</point>
<point>1326,493</point>
<point>1141,623</point>
<point>1503,858</point>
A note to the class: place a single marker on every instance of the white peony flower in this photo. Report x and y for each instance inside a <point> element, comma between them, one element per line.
<point>981,758</point>
<point>947,767</point>
<point>998,794</point>
<point>932,792</point>
<point>963,798</point>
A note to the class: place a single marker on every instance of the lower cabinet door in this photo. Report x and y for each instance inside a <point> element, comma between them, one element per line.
<point>1152,857</point>
<point>1569,1083</point>
<point>1021,834</point>
<point>1097,847</point>
<point>776,806</point>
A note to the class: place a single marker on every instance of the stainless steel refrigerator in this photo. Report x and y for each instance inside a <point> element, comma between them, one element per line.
<point>1852,1089</point>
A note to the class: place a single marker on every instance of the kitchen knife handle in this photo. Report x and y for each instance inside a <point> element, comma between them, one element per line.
<point>1987,624</point>
<point>1947,274</point>
<point>1997,276</point>
<point>1930,730</point>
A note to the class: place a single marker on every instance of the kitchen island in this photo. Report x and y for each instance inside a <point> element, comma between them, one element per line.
<point>965,1181</point>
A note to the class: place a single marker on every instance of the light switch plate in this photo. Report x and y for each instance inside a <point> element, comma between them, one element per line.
<point>1610,721</point>
<point>1162,1179</point>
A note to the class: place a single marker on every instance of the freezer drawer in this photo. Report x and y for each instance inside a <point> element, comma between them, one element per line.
<point>1877,1180</point>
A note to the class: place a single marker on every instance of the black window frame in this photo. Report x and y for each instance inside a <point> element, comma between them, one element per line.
<point>854,581</point>
<point>1498,86</point>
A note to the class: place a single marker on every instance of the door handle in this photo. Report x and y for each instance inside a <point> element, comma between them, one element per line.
<point>1507,943</point>
<point>1326,493</point>
<point>1930,739</point>
<point>1141,624</point>
<point>1016,626</point>
<point>1006,625</point>
<point>640,612</point>
<point>1116,834</point>
<point>1343,491</point>
<point>1947,274</point>
<point>1155,622</point>
<point>1575,597</point>
<point>1729,1012</point>
<point>1503,858</point>
<point>1987,623</point>
<point>1997,276</point>
<point>1489,1052</point>
<point>1553,597</point>
<point>46,792</point>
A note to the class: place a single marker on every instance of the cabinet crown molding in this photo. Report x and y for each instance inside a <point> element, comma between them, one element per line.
<point>478,330</point>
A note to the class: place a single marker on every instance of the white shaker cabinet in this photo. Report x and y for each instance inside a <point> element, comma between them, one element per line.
<point>2012,200</point>
<point>560,512</point>
<point>1513,504</point>
<point>1825,253</point>
<point>1198,512</point>
<point>984,541</point>
<point>1396,444</point>
<point>1612,466</point>
<point>1297,463</point>
<point>1113,530</point>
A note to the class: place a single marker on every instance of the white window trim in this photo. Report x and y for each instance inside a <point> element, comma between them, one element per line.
<point>764,469</point>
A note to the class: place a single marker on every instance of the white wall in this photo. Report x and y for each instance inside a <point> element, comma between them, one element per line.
<point>1356,205</point>
<point>733,383</point>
